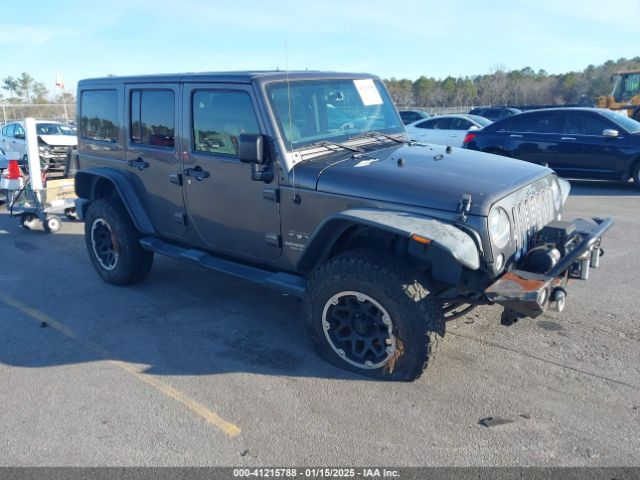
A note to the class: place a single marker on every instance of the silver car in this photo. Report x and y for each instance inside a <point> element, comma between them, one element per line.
<point>55,139</point>
<point>445,129</point>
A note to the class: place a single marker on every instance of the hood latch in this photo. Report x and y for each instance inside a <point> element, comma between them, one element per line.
<point>464,207</point>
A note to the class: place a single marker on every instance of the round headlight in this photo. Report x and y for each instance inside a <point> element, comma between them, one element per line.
<point>499,227</point>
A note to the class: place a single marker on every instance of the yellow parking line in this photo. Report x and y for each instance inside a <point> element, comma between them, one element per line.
<point>211,417</point>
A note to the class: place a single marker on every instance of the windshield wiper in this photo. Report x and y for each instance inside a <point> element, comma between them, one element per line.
<point>326,143</point>
<point>375,134</point>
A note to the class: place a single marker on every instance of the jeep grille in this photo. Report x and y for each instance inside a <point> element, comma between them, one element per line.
<point>529,216</point>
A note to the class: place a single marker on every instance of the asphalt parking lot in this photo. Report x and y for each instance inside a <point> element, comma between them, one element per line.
<point>197,368</point>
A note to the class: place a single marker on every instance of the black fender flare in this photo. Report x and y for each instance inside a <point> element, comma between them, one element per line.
<point>459,244</point>
<point>87,180</point>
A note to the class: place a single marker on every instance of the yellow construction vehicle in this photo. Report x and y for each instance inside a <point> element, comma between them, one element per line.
<point>625,95</point>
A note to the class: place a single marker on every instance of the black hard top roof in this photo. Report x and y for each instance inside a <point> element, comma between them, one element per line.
<point>228,77</point>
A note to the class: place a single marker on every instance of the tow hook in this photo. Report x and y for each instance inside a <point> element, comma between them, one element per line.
<point>558,299</point>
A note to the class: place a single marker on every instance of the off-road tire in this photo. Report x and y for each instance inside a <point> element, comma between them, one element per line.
<point>416,315</point>
<point>131,263</point>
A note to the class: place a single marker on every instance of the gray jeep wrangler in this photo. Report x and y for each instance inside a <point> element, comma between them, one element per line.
<point>306,182</point>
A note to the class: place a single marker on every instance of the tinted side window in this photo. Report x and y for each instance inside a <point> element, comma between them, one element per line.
<point>437,124</point>
<point>409,117</point>
<point>153,118</point>
<point>19,131</point>
<point>426,124</point>
<point>584,125</point>
<point>7,131</point>
<point>536,123</point>
<point>460,124</point>
<point>218,118</point>
<point>99,115</point>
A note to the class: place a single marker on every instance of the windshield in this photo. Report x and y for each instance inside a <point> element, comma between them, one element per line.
<point>53,129</point>
<point>308,112</point>
<point>629,124</point>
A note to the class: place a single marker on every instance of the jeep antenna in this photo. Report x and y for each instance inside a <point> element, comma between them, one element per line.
<point>286,69</point>
<point>290,126</point>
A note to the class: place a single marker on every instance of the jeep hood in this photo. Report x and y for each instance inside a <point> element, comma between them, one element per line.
<point>56,140</point>
<point>427,176</point>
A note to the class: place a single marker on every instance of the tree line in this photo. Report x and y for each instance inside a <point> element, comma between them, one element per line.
<point>25,89</point>
<point>514,87</point>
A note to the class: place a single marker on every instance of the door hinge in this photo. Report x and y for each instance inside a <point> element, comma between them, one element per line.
<point>180,218</point>
<point>272,239</point>
<point>272,194</point>
<point>175,178</point>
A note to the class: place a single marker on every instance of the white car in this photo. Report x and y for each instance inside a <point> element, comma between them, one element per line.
<point>55,140</point>
<point>445,129</point>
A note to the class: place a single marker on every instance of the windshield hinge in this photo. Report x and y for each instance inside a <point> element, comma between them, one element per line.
<point>464,207</point>
<point>272,194</point>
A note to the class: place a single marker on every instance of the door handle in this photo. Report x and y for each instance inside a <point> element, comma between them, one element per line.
<point>567,138</point>
<point>515,136</point>
<point>138,163</point>
<point>196,173</point>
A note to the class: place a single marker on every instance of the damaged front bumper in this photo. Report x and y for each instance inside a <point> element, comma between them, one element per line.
<point>527,294</point>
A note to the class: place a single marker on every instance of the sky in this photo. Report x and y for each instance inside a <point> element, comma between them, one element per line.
<point>403,39</point>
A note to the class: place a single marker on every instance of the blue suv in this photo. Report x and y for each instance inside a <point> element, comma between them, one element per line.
<point>575,142</point>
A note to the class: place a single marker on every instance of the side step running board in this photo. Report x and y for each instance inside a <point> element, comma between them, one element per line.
<point>283,282</point>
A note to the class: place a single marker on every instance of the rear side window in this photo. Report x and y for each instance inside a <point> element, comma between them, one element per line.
<point>99,115</point>
<point>584,125</point>
<point>536,123</point>
<point>152,118</point>
<point>436,124</point>
<point>460,124</point>
<point>219,117</point>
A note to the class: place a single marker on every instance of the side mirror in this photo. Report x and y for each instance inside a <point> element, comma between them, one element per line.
<point>19,136</point>
<point>610,133</point>
<point>251,148</point>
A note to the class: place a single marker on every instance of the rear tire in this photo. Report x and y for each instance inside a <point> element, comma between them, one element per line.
<point>113,243</point>
<point>370,313</point>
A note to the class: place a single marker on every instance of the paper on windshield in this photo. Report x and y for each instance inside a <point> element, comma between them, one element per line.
<point>368,92</point>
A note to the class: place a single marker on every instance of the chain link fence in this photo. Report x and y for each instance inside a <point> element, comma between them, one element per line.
<point>441,110</point>
<point>62,112</point>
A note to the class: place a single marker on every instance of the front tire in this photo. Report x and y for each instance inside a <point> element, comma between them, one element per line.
<point>113,243</point>
<point>371,313</point>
